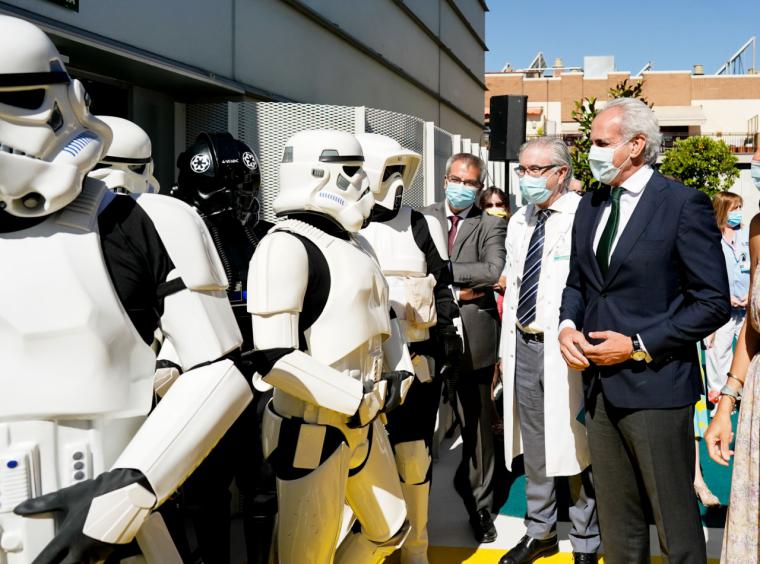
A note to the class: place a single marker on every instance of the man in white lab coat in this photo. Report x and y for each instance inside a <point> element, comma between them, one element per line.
<point>543,399</point>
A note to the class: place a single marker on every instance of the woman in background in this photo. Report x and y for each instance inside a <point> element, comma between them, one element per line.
<point>494,201</point>
<point>720,345</point>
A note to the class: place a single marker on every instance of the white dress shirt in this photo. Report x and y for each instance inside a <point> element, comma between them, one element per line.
<point>633,188</point>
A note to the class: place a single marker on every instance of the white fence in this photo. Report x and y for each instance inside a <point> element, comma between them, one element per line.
<point>265,126</point>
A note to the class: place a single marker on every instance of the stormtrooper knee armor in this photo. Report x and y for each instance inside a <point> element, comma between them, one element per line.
<point>420,296</point>
<point>76,368</point>
<point>324,340</point>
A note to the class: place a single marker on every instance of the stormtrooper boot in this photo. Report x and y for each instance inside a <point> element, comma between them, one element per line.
<point>414,549</point>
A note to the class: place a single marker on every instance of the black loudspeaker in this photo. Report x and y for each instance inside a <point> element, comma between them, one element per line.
<point>508,115</point>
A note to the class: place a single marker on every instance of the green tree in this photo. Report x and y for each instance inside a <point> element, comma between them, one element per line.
<point>703,163</point>
<point>584,113</point>
<point>627,89</point>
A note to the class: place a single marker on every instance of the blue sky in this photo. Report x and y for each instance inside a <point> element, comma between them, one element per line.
<point>673,34</point>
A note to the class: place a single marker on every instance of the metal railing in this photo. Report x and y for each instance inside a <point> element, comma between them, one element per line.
<point>738,142</point>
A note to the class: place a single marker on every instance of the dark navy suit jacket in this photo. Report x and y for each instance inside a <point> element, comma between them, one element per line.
<point>666,282</point>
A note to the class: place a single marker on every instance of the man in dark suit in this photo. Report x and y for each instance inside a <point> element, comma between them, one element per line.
<point>476,250</point>
<point>646,283</point>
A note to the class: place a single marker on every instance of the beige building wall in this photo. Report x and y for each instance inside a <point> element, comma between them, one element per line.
<point>727,103</point>
<point>729,115</point>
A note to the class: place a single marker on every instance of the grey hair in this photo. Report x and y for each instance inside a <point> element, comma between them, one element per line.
<point>638,119</point>
<point>560,154</point>
<point>471,160</point>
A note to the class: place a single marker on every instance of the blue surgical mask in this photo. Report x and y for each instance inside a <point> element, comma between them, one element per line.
<point>600,163</point>
<point>459,196</point>
<point>754,172</point>
<point>734,218</point>
<point>534,190</point>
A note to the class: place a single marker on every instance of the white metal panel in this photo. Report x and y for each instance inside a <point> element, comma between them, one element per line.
<point>444,148</point>
<point>266,126</point>
<point>456,143</point>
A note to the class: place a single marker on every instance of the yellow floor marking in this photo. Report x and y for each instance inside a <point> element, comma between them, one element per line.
<point>459,555</point>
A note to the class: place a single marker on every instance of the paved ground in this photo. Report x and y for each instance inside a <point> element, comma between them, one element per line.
<point>451,538</point>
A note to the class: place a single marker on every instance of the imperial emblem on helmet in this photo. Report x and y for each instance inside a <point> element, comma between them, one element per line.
<point>249,160</point>
<point>200,163</point>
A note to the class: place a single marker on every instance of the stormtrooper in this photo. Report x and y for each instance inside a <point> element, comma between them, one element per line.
<point>127,167</point>
<point>324,340</point>
<point>420,294</point>
<point>219,177</point>
<point>82,464</point>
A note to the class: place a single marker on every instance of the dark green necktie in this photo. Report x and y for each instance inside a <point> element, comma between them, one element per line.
<point>610,231</point>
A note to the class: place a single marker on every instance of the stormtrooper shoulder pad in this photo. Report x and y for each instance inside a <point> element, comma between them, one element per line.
<point>187,241</point>
<point>278,275</point>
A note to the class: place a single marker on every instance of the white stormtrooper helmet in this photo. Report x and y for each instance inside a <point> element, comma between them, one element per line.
<point>49,140</point>
<point>128,165</point>
<point>390,168</point>
<point>321,171</point>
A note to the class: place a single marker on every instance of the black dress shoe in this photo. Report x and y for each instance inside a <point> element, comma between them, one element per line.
<point>482,526</point>
<point>585,557</point>
<point>528,550</point>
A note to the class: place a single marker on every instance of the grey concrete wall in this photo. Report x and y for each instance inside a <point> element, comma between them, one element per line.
<point>269,45</point>
<point>194,32</point>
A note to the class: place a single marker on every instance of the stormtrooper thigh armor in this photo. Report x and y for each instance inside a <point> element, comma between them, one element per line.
<point>77,381</point>
<point>320,461</point>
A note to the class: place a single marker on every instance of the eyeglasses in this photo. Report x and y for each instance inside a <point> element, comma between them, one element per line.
<point>533,170</point>
<point>474,184</point>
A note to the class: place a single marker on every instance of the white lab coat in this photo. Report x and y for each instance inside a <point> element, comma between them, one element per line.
<point>567,451</point>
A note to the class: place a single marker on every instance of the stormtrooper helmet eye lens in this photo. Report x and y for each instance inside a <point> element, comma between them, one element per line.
<point>56,119</point>
<point>26,99</point>
<point>137,168</point>
<point>350,170</point>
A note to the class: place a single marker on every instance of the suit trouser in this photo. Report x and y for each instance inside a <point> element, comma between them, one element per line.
<point>721,353</point>
<point>473,480</point>
<point>640,456</point>
<point>540,489</point>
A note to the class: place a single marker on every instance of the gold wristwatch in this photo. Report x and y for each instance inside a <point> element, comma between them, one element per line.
<point>638,354</point>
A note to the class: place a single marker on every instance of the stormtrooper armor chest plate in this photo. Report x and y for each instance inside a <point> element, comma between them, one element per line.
<point>356,310</point>
<point>395,247</point>
<point>67,347</point>
<point>405,269</point>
